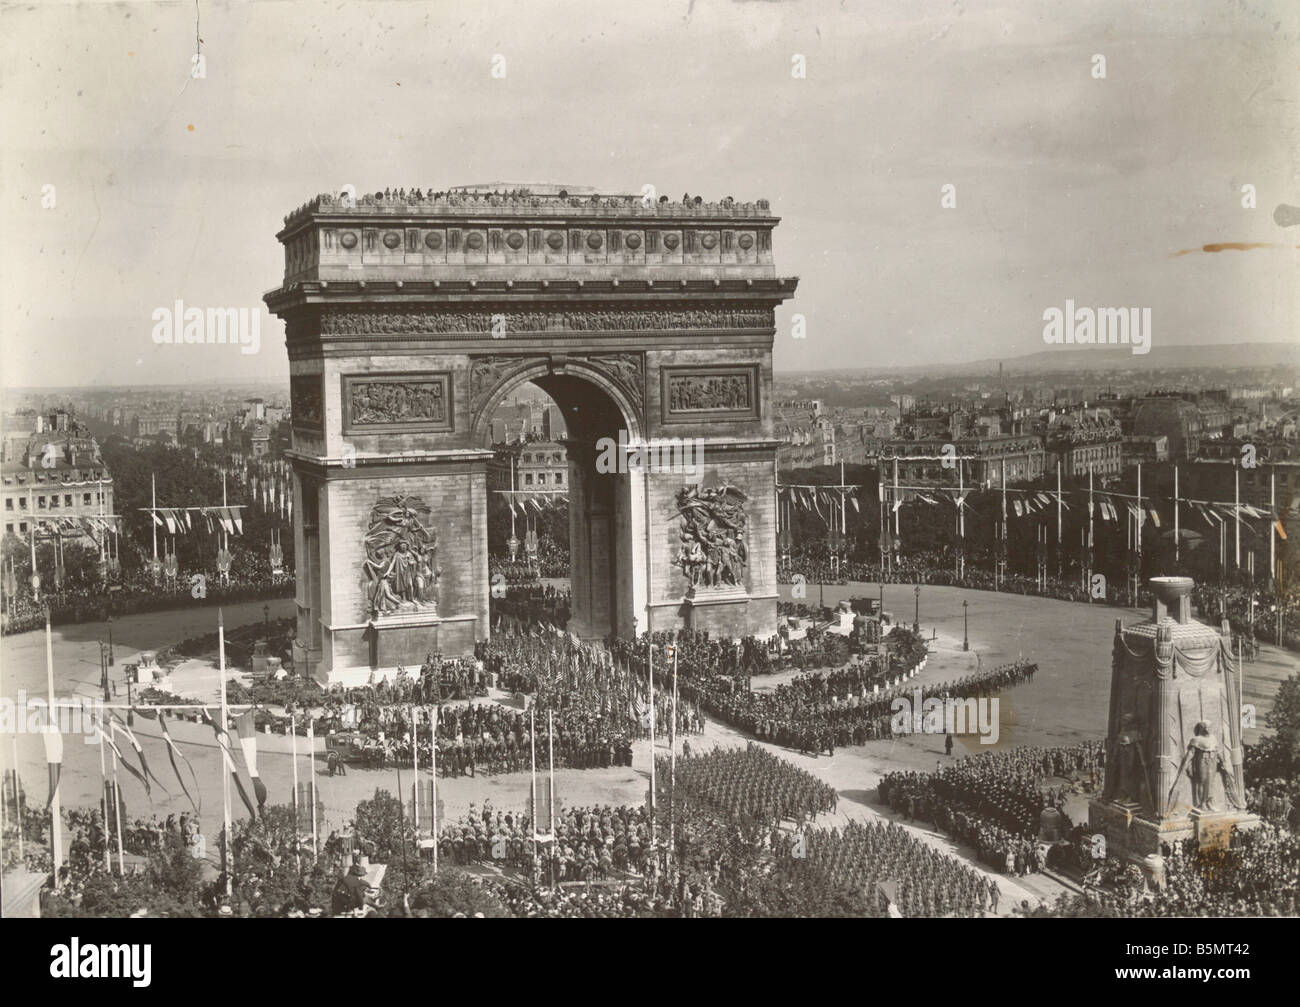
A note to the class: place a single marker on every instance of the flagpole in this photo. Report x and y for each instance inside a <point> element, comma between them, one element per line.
<point>1177,548</point>
<point>1272,525</point>
<point>1236,497</point>
<point>18,806</point>
<point>153,521</point>
<point>31,507</point>
<point>56,812</point>
<point>896,497</point>
<point>1138,521</point>
<point>650,664</point>
<point>1090,534</point>
<point>550,758</point>
<point>532,760</point>
<point>103,800</point>
<point>1058,517</point>
<point>227,847</point>
<point>311,763</point>
<point>672,758</point>
<point>293,760</point>
<point>434,759</point>
<point>415,767</point>
<point>961,517</point>
<point>117,810</point>
<point>1001,565</point>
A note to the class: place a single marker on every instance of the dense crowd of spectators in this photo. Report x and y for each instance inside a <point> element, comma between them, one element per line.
<point>138,593</point>
<point>1258,874</point>
<point>589,844</point>
<point>1233,596</point>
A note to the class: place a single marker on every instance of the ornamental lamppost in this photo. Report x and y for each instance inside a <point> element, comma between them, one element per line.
<point>103,671</point>
<point>965,625</point>
<point>916,619</point>
<point>110,640</point>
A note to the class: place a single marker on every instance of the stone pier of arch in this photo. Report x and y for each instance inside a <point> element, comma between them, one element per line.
<point>409,318</point>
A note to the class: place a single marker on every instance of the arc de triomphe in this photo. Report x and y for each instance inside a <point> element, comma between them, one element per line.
<point>410,316</point>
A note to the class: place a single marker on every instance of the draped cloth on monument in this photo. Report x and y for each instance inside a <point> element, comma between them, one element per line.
<point>1162,688</point>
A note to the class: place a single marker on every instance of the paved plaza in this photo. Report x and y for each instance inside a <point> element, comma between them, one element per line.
<point>1063,704</point>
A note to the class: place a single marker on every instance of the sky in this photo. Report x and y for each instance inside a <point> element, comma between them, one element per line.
<point>1067,185</point>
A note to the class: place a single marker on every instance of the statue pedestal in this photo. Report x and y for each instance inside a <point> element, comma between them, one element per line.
<point>722,611</point>
<point>1132,833</point>
<point>394,640</point>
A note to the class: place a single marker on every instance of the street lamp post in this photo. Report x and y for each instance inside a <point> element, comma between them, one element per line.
<point>965,625</point>
<point>881,613</point>
<point>103,672</point>
<point>916,619</point>
<point>110,641</point>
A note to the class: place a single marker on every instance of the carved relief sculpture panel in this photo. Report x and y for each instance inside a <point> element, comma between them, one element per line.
<point>397,402</point>
<point>710,393</point>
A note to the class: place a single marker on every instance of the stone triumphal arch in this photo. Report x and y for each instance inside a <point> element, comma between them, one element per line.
<point>409,316</point>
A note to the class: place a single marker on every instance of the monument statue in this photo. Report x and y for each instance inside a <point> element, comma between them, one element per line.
<point>1207,764</point>
<point>713,551</point>
<point>401,562</point>
<point>1173,745</point>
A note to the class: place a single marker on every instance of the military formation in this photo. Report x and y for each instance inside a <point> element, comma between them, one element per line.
<point>884,858</point>
<point>993,801</point>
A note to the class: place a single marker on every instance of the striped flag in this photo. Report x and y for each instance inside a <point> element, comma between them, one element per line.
<point>146,772</point>
<point>223,742</point>
<point>53,758</point>
<point>173,750</point>
<point>246,729</point>
<point>110,738</point>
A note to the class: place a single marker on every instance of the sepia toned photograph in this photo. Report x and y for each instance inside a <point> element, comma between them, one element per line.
<point>708,459</point>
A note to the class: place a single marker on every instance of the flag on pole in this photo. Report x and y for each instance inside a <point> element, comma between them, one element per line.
<point>223,742</point>
<point>146,772</point>
<point>53,759</point>
<point>110,738</point>
<point>173,750</point>
<point>246,729</point>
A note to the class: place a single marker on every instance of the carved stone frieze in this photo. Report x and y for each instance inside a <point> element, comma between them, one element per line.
<point>369,321</point>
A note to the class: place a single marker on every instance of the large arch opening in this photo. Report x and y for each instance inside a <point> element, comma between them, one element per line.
<point>603,524</point>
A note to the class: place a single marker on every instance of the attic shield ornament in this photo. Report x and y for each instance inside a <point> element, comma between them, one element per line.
<point>401,564</point>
